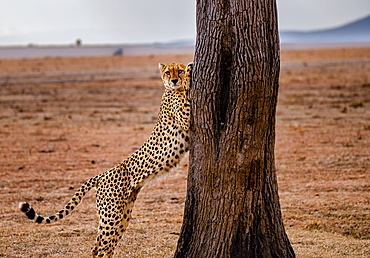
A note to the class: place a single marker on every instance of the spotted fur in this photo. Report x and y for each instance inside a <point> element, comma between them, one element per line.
<point>118,187</point>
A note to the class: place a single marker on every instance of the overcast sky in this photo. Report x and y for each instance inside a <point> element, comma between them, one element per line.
<point>145,21</point>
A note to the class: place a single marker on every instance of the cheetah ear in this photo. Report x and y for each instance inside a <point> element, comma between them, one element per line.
<point>191,64</point>
<point>161,66</point>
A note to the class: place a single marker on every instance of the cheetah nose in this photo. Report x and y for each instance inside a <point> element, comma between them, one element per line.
<point>174,81</point>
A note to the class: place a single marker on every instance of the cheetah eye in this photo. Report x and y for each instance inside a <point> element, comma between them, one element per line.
<point>181,71</point>
<point>168,73</point>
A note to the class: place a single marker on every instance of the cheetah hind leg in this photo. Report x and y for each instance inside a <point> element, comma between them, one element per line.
<point>128,210</point>
<point>109,236</point>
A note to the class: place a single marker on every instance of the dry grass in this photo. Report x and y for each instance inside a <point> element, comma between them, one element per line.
<point>65,120</point>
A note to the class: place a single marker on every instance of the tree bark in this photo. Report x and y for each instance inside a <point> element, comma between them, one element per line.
<point>232,207</point>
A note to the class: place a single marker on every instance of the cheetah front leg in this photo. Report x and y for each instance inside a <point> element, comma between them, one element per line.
<point>182,107</point>
<point>188,76</point>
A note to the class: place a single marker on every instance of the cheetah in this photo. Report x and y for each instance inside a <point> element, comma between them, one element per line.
<point>118,187</point>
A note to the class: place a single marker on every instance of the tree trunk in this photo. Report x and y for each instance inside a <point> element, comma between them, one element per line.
<point>232,207</point>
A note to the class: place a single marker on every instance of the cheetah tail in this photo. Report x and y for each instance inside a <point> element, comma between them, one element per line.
<point>76,199</point>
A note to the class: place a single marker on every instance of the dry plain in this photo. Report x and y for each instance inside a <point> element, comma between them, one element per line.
<point>64,120</point>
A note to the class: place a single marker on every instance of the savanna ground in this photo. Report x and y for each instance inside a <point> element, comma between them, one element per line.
<point>64,120</point>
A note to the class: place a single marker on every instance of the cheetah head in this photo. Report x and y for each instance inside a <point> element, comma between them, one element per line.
<point>172,75</point>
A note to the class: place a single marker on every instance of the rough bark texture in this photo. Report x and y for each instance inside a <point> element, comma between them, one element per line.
<point>232,207</point>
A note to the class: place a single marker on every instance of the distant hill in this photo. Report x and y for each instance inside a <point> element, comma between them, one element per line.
<point>358,31</point>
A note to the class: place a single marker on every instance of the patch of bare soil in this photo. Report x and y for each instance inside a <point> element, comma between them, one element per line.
<point>64,120</point>
<point>323,151</point>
